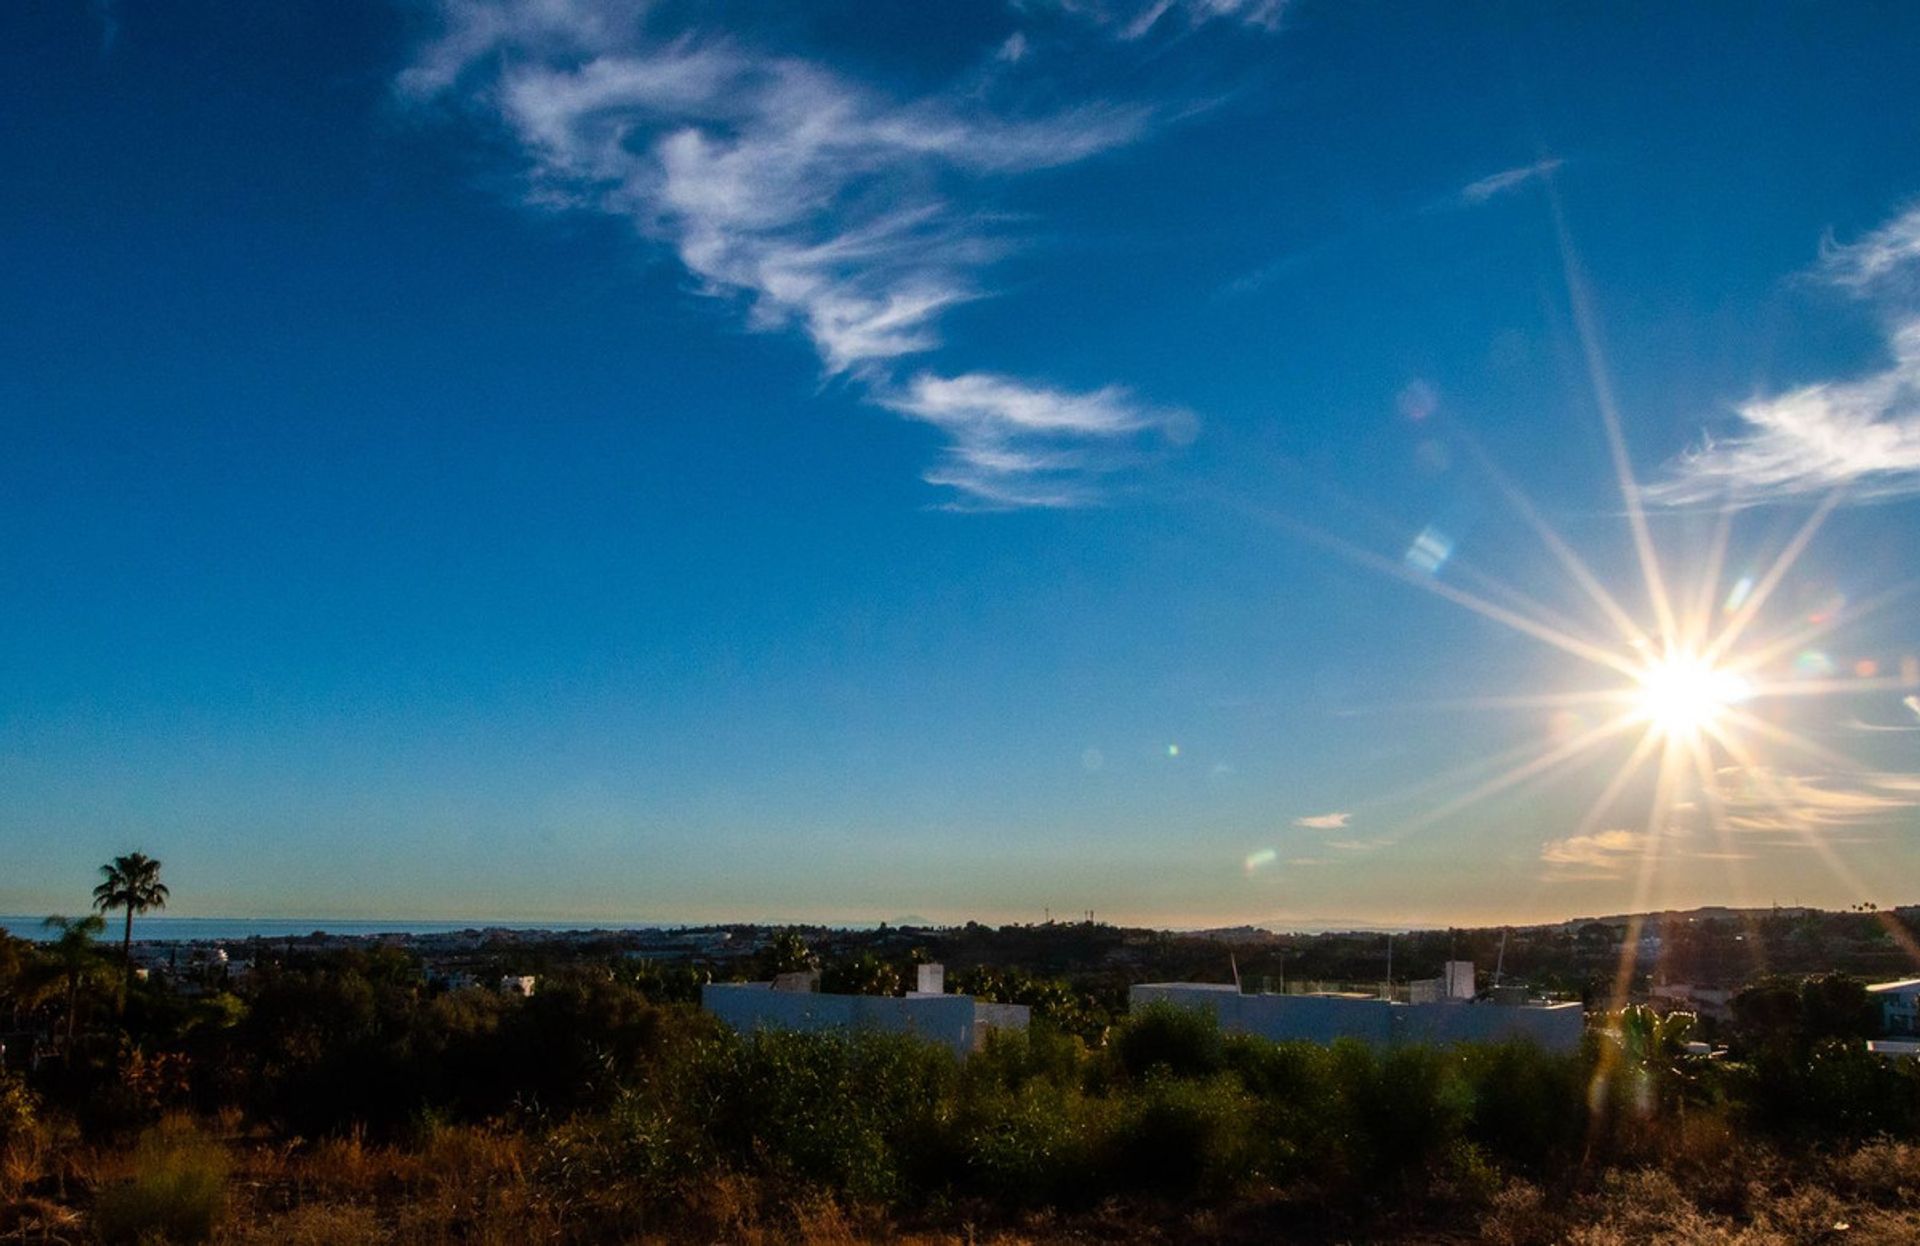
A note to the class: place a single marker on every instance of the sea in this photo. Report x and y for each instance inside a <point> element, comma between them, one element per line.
<point>160,928</point>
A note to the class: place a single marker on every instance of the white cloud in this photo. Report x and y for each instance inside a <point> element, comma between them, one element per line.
<point>1016,444</point>
<point>1601,855</point>
<point>820,204</point>
<point>1886,253</point>
<point>1789,805</point>
<point>1135,19</point>
<point>1769,809</point>
<point>1324,821</point>
<point>1507,179</point>
<point>1862,434</point>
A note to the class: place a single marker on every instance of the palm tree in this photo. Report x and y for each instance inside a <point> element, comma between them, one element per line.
<point>75,957</point>
<point>132,883</point>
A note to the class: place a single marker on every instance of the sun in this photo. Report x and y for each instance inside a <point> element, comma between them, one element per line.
<point>1683,694</point>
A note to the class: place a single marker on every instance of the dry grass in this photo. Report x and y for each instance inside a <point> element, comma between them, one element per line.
<point>482,1186</point>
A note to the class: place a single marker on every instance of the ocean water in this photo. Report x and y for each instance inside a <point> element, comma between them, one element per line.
<point>165,929</point>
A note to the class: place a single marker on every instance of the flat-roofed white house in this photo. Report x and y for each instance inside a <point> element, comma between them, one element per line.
<point>958,1022</point>
<point>1322,1018</point>
<point>1899,1006</point>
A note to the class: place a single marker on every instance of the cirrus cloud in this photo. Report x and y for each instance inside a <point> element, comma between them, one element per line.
<point>1861,433</point>
<point>820,204</point>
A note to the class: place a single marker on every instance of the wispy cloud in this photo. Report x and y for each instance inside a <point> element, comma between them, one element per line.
<point>1478,192</point>
<point>1469,196</point>
<point>1601,855</point>
<point>1766,809</point>
<point>1889,252</point>
<point>1135,19</point>
<point>1780,803</point>
<point>1862,434</point>
<point>1324,821</point>
<point>820,204</point>
<point>1016,444</point>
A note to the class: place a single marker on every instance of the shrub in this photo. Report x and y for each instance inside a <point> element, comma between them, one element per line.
<point>1404,1110</point>
<point>1011,1059</point>
<point>1528,1106</point>
<point>1185,1042</point>
<point>1181,1137</point>
<point>19,1110</point>
<point>177,1193</point>
<point>1032,1146</point>
<point>847,1110</point>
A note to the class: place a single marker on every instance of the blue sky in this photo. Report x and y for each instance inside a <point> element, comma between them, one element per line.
<point>856,460</point>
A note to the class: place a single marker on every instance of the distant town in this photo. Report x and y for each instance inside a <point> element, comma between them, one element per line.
<point>1692,959</point>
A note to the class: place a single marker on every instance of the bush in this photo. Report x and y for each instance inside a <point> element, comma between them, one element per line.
<point>1184,1042</point>
<point>1404,1110</point>
<point>1012,1059</point>
<point>1528,1106</point>
<point>1181,1137</point>
<point>19,1110</point>
<point>1032,1146</point>
<point>846,1110</point>
<point>177,1193</point>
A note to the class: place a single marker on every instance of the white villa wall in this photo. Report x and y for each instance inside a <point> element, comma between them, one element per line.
<point>1555,1027</point>
<point>1324,1018</point>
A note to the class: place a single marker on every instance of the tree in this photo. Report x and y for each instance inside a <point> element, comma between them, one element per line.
<point>865,974</point>
<point>75,957</point>
<point>787,952</point>
<point>1834,1005</point>
<point>131,882</point>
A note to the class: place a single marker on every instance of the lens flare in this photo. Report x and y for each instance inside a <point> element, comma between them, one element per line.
<point>1683,694</point>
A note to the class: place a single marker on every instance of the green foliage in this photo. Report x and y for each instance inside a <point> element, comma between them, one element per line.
<point>177,1194</point>
<point>847,1110</point>
<point>787,952</point>
<point>19,1109</point>
<point>1405,1108</point>
<point>1034,1144</point>
<point>1052,1001</point>
<point>865,974</point>
<point>1834,1005</point>
<point>1010,1060</point>
<point>663,983</point>
<point>1297,1103</point>
<point>1839,1092</point>
<point>1529,1109</point>
<point>1184,1042</point>
<point>1181,1137</point>
<point>1787,1017</point>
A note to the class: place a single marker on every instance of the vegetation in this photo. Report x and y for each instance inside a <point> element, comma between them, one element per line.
<point>347,1096</point>
<point>132,883</point>
<point>348,1099</point>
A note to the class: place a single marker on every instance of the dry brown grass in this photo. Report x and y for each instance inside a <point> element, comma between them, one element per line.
<point>483,1186</point>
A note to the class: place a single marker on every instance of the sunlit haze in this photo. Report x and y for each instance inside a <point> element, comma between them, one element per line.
<point>1306,465</point>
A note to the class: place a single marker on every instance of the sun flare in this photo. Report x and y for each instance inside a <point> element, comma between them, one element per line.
<point>1683,694</point>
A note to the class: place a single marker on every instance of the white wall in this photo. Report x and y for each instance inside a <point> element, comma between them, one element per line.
<point>1324,1018</point>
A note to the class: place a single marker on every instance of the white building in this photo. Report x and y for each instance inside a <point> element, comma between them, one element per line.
<point>959,1022</point>
<point>1378,1022</point>
<point>1455,982</point>
<point>1899,1006</point>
